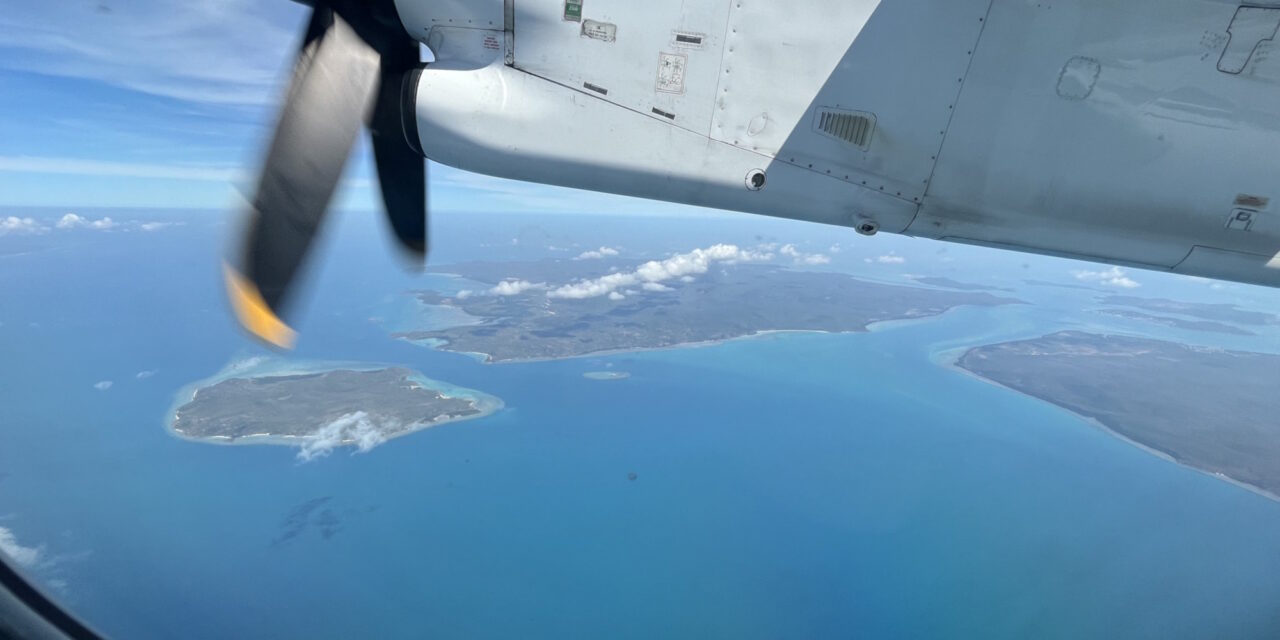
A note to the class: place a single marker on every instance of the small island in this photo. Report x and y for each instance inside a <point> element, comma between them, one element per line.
<point>606,375</point>
<point>1211,409</point>
<point>1218,312</point>
<point>1062,285</point>
<point>517,319</point>
<point>1179,323</point>
<point>319,410</point>
<point>948,283</point>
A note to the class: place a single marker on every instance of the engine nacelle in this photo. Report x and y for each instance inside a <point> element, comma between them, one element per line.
<point>617,100</point>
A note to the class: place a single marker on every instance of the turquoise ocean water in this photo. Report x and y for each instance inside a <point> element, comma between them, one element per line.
<point>786,486</point>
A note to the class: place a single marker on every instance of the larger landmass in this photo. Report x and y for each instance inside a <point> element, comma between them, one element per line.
<point>334,407</point>
<point>727,301</point>
<point>1211,409</point>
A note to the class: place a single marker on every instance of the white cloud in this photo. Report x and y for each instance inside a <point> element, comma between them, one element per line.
<point>891,258</point>
<point>687,279</point>
<point>353,428</point>
<point>513,287</point>
<point>508,287</point>
<point>694,262</point>
<point>102,386</point>
<point>25,557</point>
<point>801,257</point>
<point>1212,284</point>
<point>1113,277</point>
<point>615,296</point>
<point>16,225</point>
<point>596,254</point>
<point>73,221</point>
<point>30,226</point>
<point>143,375</point>
<point>655,286</point>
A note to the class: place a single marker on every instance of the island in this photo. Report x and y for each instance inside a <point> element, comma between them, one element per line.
<point>319,410</point>
<point>520,316</point>
<point>1218,312</point>
<point>1211,409</point>
<point>1061,285</point>
<point>948,283</point>
<point>606,375</point>
<point>1178,323</point>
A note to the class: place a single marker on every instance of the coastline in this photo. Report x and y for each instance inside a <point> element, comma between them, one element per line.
<point>950,359</point>
<point>486,358</point>
<point>947,358</point>
<point>439,344</point>
<point>297,441</point>
<point>264,367</point>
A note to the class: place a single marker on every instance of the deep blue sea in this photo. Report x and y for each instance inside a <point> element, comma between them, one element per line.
<point>786,486</point>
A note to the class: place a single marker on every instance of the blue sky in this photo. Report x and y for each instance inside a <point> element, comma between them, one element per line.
<point>141,103</point>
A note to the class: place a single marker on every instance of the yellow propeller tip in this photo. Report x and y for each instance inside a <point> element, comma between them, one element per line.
<point>253,312</point>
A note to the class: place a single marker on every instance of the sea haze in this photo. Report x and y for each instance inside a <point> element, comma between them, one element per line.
<point>782,485</point>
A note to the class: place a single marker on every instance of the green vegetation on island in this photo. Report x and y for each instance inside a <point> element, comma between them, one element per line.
<point>336,407</point>
<point>948,283</point>
<point>1211,409</point>
<point>522,317</point>
<point>1218,312</point>
<point>1179,323</point>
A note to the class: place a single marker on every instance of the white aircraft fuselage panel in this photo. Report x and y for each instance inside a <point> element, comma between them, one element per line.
<point>1107,131</point>
<point>624,67</point>
<point>1141,132</point>
<point>897,64</point>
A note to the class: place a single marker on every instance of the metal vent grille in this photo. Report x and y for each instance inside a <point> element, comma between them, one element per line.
<point>853,127</point>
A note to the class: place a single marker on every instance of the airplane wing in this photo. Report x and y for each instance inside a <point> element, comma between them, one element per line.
<point>1139,133</point>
